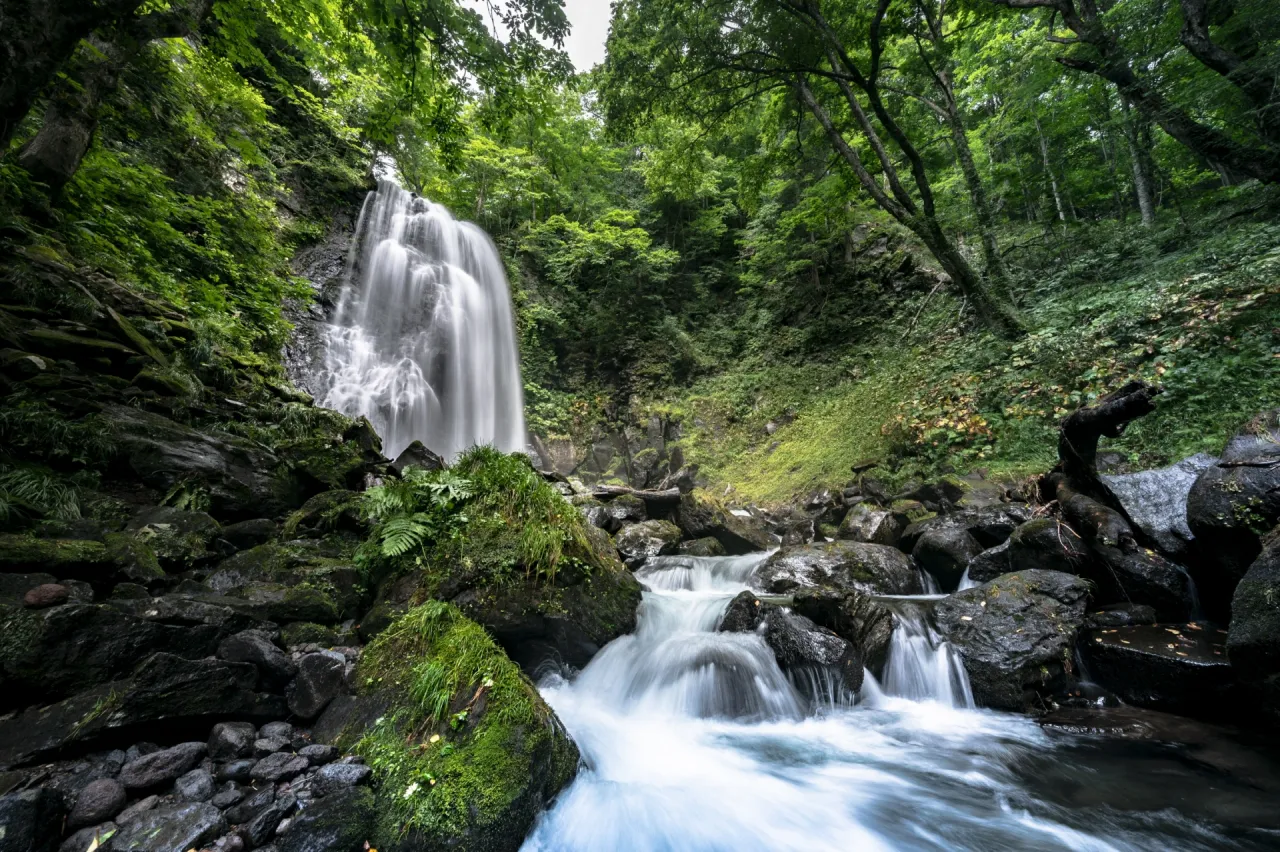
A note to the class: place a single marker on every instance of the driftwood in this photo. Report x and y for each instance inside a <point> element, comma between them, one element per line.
<point>609,492</point>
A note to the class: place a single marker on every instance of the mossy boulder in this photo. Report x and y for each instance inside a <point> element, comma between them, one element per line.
<point>179,539</point>
<point>466,754</point>
<point>699,517</point>
<point>292,582</point>
<point>639,542</point>
<point>134,558</point>
<point>335,511</point>
<point>327,463</point>
<point>62,557</point>
<point>840,565</point>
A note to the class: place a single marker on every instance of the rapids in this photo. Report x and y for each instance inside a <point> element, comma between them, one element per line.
<point>423,338</point>
<point>695,741</point>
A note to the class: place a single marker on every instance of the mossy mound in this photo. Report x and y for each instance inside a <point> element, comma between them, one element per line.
<point>467,753</point>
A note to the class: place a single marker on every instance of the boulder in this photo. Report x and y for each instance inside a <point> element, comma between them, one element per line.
<point>328,513</point>
<point>698,518</point>
<point>262,827</point>
<point>1120,615</point>
<point>1156,500</point>
<point>944,548</point>
<point>854,616</point>
<point>812,656</point>
<point>417,455</point>
<point>1050,545</point>
<point>162,767</point>
<point>230,740</point>
<point>871,525</point>
<point>97,802</point>
<point>285,581</point>
<point>989,564</point>
<point>702,547</point>
<point>638,542</point>
<point>341,821</point>
<point>43,597</point>
<point>77,558</point>
<point>165,688</point>
<point>255,646</point>
<point>744,614</point>
<point>1178,668</point>
<point>322,676</point>
<point>248,534</point>
<point>625,509</point>
<point>337,777</point>
<point>240,477</point>
<point>280,766</point>
<point>31,821</point>
<point>194,786</point>
<point>172,828</point>
<point>1015,635</point>
<point>179,539</point>
<point>841,565</point>
<point>1230,506</point>
<point>1253,639</point>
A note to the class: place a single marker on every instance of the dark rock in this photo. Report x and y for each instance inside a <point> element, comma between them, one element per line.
<point>1230,506</point>
<point>1143,576</point>
<point>1050,545</point>
<point>306,633</point>
<point>944,550</point>
<point>989,564</point>
<point>172,828</point>
<point>638,542</point>
<point>239,476</point>
<point>230,740</point>
<point>854,616</point>
<point>1120,615</point>
<point>237,770</point>
<point>137,810</point>
<point>264,746</point>
<point>255,646</point>
<point>341,821</point>
<point>1253,641</point>
<point>249,534</point>
<point>98,802</point>
<point>347,717</point>
<point>700,519</point>
<point>255,803</point>
<point>625,509</point>
<point>195,786</point>
<point>31,821</point>
<point>1156,500</point>
<point>744,614</point>
<point>324,514</point>
<point>78,591</point>
<point>1015,635</point>
<point>280,766</point>
<point>161,767</point>
<point>701,547</point>
<point>43,597</point>
<point>867,524</point>
<point>133,557</point>
<point>321,677</point>
<point>14,587</point>
<point>64,557</point>
<point>227,795</point>
<point>262,827</point>
<point>85,837</point>
<point>337,777</point>
<point>179,539</point>
<point>277,730</point>
<point>803,649</point>
<point>318,754</point>
<point>796,531</point>
<point>1176,668</point>
<point>870,568</point>
<point>417,455</point>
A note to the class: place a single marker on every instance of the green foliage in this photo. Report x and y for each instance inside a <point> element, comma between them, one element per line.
<point>35,492</point>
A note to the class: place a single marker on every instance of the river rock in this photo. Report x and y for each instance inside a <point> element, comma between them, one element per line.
<point>321,677</point>
<point>1230,506</point>
<point>698,518</point>
<point>417,455</point>
<point>172,828</point>
<point>84,839</point>
<point>256,647</point>
<point>280,766</point>
<point>1156,500</point>
<point>1048,544</point>
<point>31,821</point>
<point>336,777</point>
<point>1253,639</point>
<point>161,767</point>
<point>230,740</point>
<point>807,652</point>
<point>841,565</point>
<point>1015,635</point>
<point>701,547</point>
<point>744,614</point>
<point>179,539</point>
<point>870,525</point>
<point>1120,615</point>
<point>1178,668</point>
<point>97,802</point>
<point>249,534</point>
<point>989,564</point>
<point>194,786</point>
<point>43,597</point>
<point>854,616</point>
<point>341,821</point>
<point>944,549</point>
<point>638,542</point>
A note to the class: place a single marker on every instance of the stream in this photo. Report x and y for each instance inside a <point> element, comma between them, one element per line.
<point>696,740</point>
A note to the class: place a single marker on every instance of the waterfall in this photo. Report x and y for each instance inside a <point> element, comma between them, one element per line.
<point>423,339</point>
<point>922,665</point>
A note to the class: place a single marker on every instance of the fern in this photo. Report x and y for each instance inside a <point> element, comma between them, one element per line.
<point>401,535</point>
<point>33,490</point>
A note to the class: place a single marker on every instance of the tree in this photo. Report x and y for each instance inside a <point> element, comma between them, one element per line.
<point>1096,47</point>
<point>718,56</point>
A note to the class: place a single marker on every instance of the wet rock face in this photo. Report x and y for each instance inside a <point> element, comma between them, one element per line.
<point>31,821</point>
<point>1015,635</point>
<point>1050,545</point>
<point>639,542</point>
<point>858,618</point>
<point>744,614</point>
<point>804,649</point>
<point>1178,668</point>
<point>341,821</point>
<point>840,565</point>
<point>1156,500</point>
<point>1253,641</point>
<point>738,535</point>
<point>1230,507</point>
<point>871,525</point>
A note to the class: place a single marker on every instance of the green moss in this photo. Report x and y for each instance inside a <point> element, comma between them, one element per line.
<point>335,465</point>
<point>913,510</point>
<point>18,552</point>
<point>308,633</point>
<point>468,749</point>
<point>134,559</point>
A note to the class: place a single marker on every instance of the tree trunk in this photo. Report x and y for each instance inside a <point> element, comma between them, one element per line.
<point>1141,160</point>
<point>1258,84</point>
<point>54,154</point>
<point>37,38</point>
<point>977,190</point>
<point>1048,170</point>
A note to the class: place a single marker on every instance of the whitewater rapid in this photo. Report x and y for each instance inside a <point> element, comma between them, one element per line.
<point>695,741</point>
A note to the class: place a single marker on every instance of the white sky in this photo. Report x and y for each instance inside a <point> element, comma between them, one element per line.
<point>590,21</point>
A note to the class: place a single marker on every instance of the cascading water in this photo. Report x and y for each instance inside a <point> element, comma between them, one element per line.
<point>695,741</point>
<point>423,339</point>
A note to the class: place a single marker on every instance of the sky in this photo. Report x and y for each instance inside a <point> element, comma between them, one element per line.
<point>590,21</point>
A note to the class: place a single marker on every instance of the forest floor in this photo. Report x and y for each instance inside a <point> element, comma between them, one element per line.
<point>1194,308</point>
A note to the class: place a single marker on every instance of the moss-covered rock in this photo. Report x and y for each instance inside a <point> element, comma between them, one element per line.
<point>63,557</point>
<point>840,565</point>
<point>308,633</point>
<point>332,511</point>
<point>292,582</point>
<point>135,560</point>
<point>467,753</point>
<point>179,539</point>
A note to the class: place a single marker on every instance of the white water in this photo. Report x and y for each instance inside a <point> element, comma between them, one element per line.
<point>423,340</point>
<point>695,741</point>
